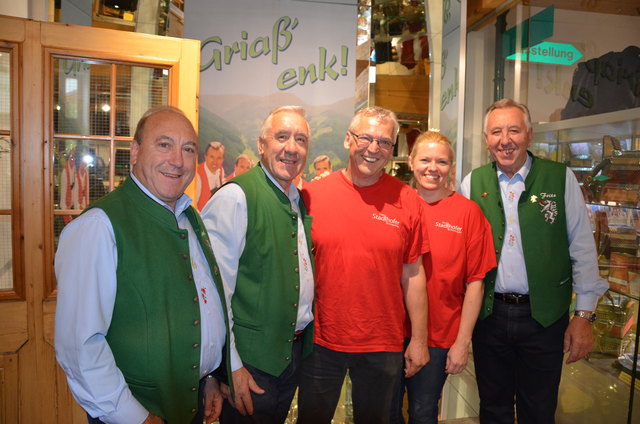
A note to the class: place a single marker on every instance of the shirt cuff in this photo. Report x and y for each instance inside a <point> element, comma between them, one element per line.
<point>586,302</point>
<point>129,411</point>
<point>236,361</point>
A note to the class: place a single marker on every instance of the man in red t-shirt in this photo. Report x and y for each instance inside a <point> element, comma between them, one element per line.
<point>368,243</point>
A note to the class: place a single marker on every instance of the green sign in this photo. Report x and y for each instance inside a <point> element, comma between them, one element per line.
<point>548,52</point>
<point>531,32</point>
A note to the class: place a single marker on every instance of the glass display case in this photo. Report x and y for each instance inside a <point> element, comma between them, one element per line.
<point>604,153</point>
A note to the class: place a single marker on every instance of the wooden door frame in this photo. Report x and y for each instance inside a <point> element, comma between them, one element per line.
<point>35,389</point>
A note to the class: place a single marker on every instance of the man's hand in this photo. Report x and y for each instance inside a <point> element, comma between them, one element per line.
<point>244,384</point>
<point>153,419</point>
<point>457,358</point>
<point>578,339</point>
<point>212,400</point>
<point>416,356</point>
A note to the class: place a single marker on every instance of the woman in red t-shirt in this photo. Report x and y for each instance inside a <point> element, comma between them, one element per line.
<point>461,254</point>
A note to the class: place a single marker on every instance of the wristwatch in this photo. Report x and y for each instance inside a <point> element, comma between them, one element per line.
<point>588,315</point>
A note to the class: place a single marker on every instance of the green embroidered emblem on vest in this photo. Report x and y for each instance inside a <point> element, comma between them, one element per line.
<point>541,212</point>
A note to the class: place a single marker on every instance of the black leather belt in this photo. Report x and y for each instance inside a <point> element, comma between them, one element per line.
<point>514,298</point>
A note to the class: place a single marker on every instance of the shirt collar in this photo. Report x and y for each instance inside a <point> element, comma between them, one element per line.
<point>522,172</point>
<point>293,190</point>
<point>181,204</point>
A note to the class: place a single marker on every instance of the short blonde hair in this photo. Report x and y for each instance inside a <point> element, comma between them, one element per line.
<point>432,137</point>
<point>437,138</point>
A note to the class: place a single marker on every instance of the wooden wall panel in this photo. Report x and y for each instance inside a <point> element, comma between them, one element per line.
<point>9,389</point>
<point>403,93</point>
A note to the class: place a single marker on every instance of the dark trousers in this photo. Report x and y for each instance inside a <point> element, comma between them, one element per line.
<point>272,407</point>
<point>196,420</point>
<point>423,390</point>
<point>374,377</point>
<point>516,358</point>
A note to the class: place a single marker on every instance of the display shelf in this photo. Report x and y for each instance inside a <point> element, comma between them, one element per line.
<point>604,153</point>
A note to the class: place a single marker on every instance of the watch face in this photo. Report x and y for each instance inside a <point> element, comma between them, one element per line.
<point>589,316</point>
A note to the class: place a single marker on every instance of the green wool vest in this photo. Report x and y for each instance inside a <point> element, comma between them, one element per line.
<point>265,301</point>
<point>543,228</point>
<point>155,329</point>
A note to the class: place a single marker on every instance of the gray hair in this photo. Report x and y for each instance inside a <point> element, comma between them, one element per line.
<point>266,124</point>
<point>380,114</point>
<point>503,104</point>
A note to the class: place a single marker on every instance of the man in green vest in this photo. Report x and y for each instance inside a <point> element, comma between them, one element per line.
<point>141,317</point>
<point>260,232</point>
<point>545,252</point>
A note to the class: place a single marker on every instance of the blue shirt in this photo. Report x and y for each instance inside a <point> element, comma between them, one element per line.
<point>512,271</point>
<point>85,266</point>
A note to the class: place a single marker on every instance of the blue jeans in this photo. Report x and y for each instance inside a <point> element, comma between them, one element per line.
<point>423,390</point>
<point>374,376</point>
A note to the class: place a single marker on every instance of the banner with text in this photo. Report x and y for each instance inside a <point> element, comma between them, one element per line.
<point>256,56</point>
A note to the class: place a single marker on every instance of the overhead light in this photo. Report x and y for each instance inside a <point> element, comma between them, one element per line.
<point>88,159</point>
<point>106,107</point>
<point>58,107</point>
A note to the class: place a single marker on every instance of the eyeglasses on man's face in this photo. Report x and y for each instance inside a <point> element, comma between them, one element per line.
<point>364,140</point>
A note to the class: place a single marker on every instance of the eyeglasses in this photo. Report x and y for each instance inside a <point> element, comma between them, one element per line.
<point>364,140</point>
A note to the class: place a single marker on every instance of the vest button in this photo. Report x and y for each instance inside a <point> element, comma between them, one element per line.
<point>185,256</point>
<point>216,271</point>
<point>290,341</point>
<point>194,410</point>
<point>294,217</point>
<point>295,305</point>
<point>190,277</point>
<point>193,389</point>
<point>293,324</point>
<point>195,367</point>
<point>297,287</point>
<point>500,237</point>
<point>196,345</point>
<point>183,236</point>
<point>497,251</point>
<point>293,235</point>
<point>287,358</point>
<point>295,252</point>
<point>196,323</point>
<point>296,270</point>
<point>195,299</point>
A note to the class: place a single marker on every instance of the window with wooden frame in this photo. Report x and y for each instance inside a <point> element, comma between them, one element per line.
<point>96,107</point>
<point>11,286</point>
